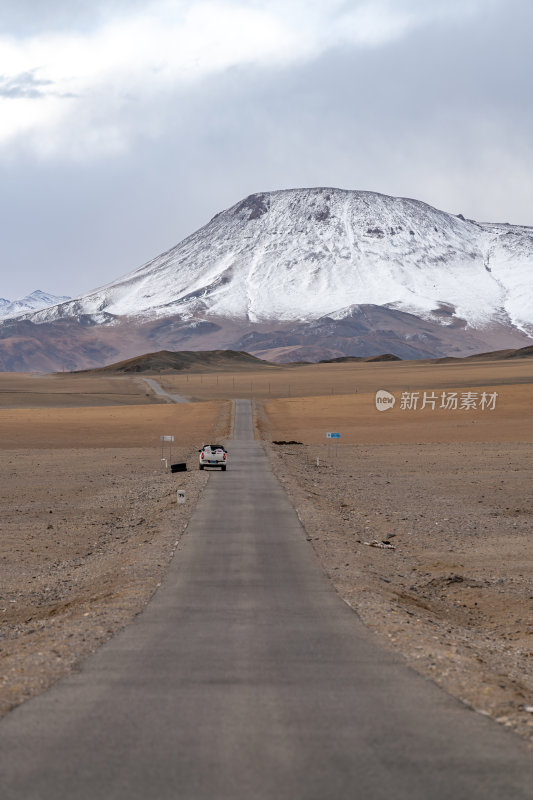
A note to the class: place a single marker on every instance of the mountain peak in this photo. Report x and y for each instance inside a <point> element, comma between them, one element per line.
<point>302,255</point>
<point>34,301</point>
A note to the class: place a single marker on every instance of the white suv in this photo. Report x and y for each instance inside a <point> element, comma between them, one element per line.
<point>213,455</point>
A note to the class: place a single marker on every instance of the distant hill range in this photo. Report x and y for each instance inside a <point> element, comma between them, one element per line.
<point>186,360</point>
<point>496,355</point>
<point>192,361</point>
<point>302,274</point>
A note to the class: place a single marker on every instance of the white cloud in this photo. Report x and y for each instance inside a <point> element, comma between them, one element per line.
<point>89,79</point>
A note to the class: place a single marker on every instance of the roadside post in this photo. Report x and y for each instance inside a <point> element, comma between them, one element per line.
<point>180,496</point>
<point>164,440</point>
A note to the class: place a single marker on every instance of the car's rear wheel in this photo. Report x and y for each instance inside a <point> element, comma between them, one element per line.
<point>200,466</point>
<point>223,467</point>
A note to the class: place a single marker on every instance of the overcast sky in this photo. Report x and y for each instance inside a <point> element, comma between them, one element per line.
<point>127,124</point>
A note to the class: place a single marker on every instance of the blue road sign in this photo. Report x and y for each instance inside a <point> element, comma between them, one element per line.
<point>333,436</point>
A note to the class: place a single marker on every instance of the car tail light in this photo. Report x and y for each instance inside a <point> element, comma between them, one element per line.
<point>202,456</point>
<point>224,456</point>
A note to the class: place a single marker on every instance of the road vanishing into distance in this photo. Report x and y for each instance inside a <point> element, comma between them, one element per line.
<point>158,389</point>
<point>247,678</point>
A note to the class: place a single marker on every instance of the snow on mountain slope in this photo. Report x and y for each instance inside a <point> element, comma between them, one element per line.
<point>303,253</point>
<point>509,261</point>
<point>32,302</point>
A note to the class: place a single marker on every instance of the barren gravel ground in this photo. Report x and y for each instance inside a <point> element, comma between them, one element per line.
<point>85,539</point>
<point>455,595</point>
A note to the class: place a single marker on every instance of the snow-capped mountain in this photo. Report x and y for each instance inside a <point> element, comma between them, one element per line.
<point>300,254</point>
<point>302,273</point>
<point>32,302</point>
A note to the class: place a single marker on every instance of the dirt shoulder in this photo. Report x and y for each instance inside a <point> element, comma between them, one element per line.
<point>86,537</point>
<point>448,582</point>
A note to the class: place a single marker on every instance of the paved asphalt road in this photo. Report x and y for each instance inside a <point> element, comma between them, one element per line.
<point>247,677</point>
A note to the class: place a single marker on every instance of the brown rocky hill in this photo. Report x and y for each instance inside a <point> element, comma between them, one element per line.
<point>166,361</point>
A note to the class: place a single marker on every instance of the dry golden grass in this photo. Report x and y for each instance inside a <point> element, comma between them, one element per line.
<point>355,417</point>
<point>22,390</point>
<point>301,402</point>
<point>85,428</point>
<point>353,378</point>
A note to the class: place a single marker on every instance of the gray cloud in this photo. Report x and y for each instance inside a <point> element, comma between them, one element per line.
<point>26,84</point>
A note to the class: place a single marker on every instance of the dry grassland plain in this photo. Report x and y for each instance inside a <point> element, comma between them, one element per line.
<point>449,489</point>
<point>312,380</point>
<point>66,390</point>
<point>89,519</point>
